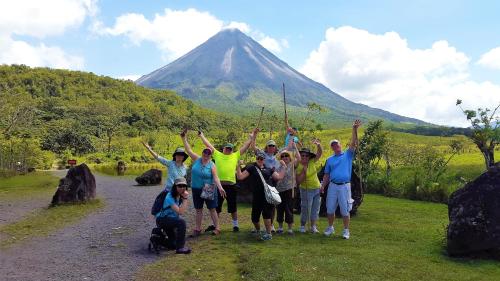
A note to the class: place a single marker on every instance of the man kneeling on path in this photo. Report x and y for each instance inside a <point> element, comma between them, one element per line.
<point>337,176</point>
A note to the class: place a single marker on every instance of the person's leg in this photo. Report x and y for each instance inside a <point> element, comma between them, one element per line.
<point>220,201</point>
<point>198,205</point>
<point>304,214</point>
<point>256,211</point>
<point>288,208</point>
<point>215,220</point>
<point>180,234</point>
<point>280,211</point>
<point>344,197</point>
<point>315,198</point>
<point>267,212</point>
<point>198,219</point>
<point>232,207</point>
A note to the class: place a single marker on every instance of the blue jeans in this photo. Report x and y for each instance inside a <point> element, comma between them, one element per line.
<point>174,227</point>
<point>309,205</point>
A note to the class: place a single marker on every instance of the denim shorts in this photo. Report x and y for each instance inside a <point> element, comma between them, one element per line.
<point>198,201</point>
<point>339,195</point>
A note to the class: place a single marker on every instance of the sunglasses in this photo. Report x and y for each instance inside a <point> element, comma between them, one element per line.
<point>181,186</point>
<point>207,152</point>
<point>285,156</point>
<point>260,158</point>
<point>304,155</point>
<point>271,145</point>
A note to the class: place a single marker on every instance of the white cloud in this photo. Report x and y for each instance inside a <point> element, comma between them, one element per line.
<point>40,19</point>
<point>383,71</point>
<point>20,52</point>
<point>491,59</point>
<point>43,18</point>
<point>176,32</point>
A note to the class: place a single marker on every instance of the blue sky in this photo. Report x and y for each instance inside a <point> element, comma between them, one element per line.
<point>412,58</point>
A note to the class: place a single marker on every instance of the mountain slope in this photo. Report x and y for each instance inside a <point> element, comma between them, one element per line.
<point>232,72</point>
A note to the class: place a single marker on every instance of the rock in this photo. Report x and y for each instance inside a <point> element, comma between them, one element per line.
<point>150,177</point>
<point>78,186</point>
<point>474,213</point>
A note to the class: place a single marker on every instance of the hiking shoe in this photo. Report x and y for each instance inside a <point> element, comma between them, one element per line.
<point>302,229</point>
<point>266,237</point>
<point>314,230</point>
<point>210,228</point>
<point>184,250</point>
<point>346,234</point>
<point>236,228</point>
<point>290,231</point>
<point>329,231</point>
<point>280,230</point>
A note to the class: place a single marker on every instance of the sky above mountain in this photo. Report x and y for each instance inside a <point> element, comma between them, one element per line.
<point>413,59</point>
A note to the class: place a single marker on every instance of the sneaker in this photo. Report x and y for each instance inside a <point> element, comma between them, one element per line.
<point>255,231</point>
<point>302,229</point>
<point>329,231</point>
<point>280,230</point>
<point>210,228</point>
<point>345,233</point>
<point>236,228</point>
<point>266,237</point>
<point>290,231</point>
<point>272,229</point>
<point>184,250</point>
<point>314,229</point>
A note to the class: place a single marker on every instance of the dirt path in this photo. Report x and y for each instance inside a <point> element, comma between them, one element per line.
<point>108,245</point>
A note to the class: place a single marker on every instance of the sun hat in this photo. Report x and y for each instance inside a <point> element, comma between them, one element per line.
<point>180,151</point>
<point>308,151</point>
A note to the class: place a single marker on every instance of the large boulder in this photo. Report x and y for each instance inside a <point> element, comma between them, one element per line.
<point>356,195</point>
<point>150,177</point>
<point>78,186</point>
<point>474,213</point>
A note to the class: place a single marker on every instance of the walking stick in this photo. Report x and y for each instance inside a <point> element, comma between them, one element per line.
<point>260,117</point>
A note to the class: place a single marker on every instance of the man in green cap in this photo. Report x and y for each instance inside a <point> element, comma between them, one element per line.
<point>226,162</point>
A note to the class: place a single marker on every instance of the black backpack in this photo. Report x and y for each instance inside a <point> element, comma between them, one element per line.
<point>158,204</point>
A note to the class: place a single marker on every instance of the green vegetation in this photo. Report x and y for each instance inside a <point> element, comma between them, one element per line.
<point>45,221</point>
<point>33,185</point>
<point>391,239</point>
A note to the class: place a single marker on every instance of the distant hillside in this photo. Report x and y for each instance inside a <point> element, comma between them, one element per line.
<point>231,72</point>
<point>65,106</point>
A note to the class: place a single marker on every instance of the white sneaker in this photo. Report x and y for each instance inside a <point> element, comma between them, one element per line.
<point>314,229</point>
<point>302,229</point>
<point>290,231</point>
<point>345,233</point>
<point>329,231</point>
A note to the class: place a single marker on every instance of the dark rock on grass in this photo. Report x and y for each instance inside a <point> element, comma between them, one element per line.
<point>356,195</point>
<point>150,177</point>
<point>474,213</point>
<point>78,186</point>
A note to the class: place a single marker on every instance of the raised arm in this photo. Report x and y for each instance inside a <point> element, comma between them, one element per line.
<point>241,175</point>
<point>205,141</point>
<point>319,151</point>
<point>217,182</point>
<point>281,172</point>
<point>155,155</point>
<point>250,140</point>
<point>187,147</point>
<point>354,138</point>
<point>298,158</point>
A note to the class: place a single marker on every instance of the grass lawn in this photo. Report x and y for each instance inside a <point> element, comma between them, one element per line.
<point>45,221</point>
<point>391,239</point>
<point>33,185</point>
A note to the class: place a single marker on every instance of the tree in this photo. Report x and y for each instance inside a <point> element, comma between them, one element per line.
<point>372,147</point>
<point>485,131</point>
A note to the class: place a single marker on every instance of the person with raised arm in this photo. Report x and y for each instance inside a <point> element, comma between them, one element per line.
<point>259,203</point>
<point>203,172</point>
<point>226,162</point>
<point>175,167</point>
<point>307,178</point>
<point>337,176</point>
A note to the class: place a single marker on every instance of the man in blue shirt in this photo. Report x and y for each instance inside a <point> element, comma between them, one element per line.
<point>337,176</point>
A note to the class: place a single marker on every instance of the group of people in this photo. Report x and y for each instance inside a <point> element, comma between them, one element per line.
<point>214,177</point>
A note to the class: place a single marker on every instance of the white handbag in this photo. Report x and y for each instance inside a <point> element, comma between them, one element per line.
<point>271,193</point>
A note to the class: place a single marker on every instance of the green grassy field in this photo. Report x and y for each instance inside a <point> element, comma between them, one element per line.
<point>391,239</point>
<point>33,185</point>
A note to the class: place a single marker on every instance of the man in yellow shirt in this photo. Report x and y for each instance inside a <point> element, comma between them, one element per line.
<point>226,162</point>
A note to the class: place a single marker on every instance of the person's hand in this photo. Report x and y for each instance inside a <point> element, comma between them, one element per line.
<point>254,133</point>
<point>222,192</point>
<point>185,194</point>
<point>290,130</point>
<point>316,142</point>
<point>283,163</point>
<point>184,133</point>
<point>356,124</point>
<point>322,189</point>
<point>200,133</point>
<point>145,144</point>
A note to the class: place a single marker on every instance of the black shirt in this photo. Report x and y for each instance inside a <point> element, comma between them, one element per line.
<point>255,182</point>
